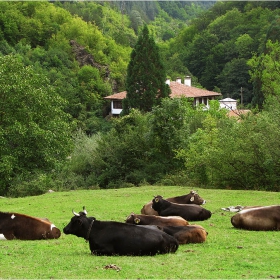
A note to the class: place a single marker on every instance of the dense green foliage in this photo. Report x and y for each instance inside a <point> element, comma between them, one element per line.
<point>216,46</point>
<point>145,84</point>
<point>176,143</point>
<point>59,59</point>
<point>35,132</point>
<point>82,63</point>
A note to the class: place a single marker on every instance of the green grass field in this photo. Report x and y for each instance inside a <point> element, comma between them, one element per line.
<point>228,253</point>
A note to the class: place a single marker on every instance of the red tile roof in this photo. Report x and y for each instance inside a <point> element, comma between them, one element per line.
<point>119,96</point>
<point>177,90</point>
<point>237,113</point>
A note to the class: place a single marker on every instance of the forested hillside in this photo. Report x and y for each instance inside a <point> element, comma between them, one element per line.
<point>64,57</point>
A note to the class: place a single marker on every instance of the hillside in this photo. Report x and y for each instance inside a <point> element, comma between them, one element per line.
<point>60,59</point>
<point>194,38</point>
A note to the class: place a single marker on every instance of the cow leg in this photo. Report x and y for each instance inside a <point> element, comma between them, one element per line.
<point>7,236</point>
<point>2,237</point>
<point>100,250</point>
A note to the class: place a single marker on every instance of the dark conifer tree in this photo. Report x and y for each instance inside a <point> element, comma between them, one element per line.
<point>145,84</point>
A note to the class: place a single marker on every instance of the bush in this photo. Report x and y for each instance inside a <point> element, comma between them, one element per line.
<point>35,184</point>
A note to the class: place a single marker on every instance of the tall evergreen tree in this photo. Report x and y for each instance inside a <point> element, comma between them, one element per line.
<point>145,84</point>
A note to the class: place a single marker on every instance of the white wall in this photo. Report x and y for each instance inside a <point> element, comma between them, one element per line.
<point>228,103</point>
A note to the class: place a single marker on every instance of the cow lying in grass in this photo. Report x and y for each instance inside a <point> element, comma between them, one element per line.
<point>115,238</point>
<point>258,218</point>
<point>20,226</point>
<point>189,212</point>
<point>191,198</point>
<point>183,234</point>
<point>187,234</point>
<point>139,219</point>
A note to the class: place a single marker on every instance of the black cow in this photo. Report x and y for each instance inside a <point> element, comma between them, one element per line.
<point>20,226</point>
<point>258,218</point>
<point>115,238</point>
<point>189,212</point>
<point>191,198</point>
<point>187,234</point>
<point>140,219</point>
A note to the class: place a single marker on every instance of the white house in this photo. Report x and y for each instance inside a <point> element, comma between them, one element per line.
<point>178,89</point>
<point>228,103</point>
<point>231,106</point>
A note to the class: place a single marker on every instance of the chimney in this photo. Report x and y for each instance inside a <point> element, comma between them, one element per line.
<point>178,80</point>
<point>188,81</point>
<point>167,81</point>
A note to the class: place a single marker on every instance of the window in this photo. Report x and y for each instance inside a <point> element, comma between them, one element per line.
<point>117,104</point>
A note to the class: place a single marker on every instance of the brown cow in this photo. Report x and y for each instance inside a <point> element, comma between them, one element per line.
<point>191,198</point>
<point>187,234</point>
<point>20,226</point>
<point>155,220</point>
<point>258,218</point>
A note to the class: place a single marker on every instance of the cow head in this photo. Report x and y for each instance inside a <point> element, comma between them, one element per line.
<point>132,219</point>
<point>79,224</point>
<point>157,198</point>
<point>195,198</point>
<point>156,202</point>
<point>84,212</point>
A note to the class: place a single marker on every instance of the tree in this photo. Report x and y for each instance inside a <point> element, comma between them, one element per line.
<point>146,76</point>
<point>170,130</point>
<point>35,132</point>
<point>232,82</point>
<point>265,73</point>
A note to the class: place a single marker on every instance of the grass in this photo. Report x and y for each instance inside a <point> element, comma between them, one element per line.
<point>228,253</point>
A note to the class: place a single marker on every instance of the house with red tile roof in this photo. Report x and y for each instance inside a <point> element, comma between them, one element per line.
<point>178,89</point>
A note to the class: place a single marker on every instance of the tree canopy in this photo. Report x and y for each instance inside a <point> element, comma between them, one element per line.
<point>145,83</point>
<point>35,132</point>
<point>60,59</point>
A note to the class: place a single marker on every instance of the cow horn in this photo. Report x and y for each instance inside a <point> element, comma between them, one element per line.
<point>84,210</point>
<point>76,214</point>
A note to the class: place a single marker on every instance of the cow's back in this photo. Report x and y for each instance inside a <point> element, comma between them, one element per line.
<point>189,212</point>
<point>24,227</point>
<point>148,210</point>
<point>258,218</point>
<point>141,219</point>
<point>191,198</point>
<point>187,234</point>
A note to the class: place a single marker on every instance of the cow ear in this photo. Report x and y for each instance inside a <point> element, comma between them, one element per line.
<point>192,198</point>
<point>137,220</point>
<point>156,199</point>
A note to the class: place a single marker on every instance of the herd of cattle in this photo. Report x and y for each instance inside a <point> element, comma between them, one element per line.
<point>160,228</point>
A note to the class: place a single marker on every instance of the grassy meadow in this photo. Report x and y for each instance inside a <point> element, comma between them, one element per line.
<point>228,253</point>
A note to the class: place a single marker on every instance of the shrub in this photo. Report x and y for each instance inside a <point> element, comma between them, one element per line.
<point>34,184</point>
